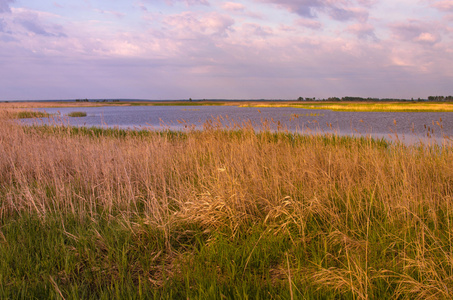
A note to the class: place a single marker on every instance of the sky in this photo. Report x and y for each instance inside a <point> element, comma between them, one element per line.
<point>210,49</point>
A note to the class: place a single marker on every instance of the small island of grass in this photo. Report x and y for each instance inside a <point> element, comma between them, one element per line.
<point>29,114</point>
<point>77,114</point>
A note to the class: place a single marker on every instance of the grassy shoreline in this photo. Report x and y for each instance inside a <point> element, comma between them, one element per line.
<point>106,213</point>
<point>365,106</point>
<point>335,106</point>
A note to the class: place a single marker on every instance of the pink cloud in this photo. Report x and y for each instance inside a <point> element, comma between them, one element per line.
<point>211,23</point>
<point>417,32</point>
<point>362,31</point>
<point>189,2</point>
<point>445,5</point>
<point>233,6</point>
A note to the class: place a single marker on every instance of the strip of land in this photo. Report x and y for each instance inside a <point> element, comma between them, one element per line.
<point>409,106</point>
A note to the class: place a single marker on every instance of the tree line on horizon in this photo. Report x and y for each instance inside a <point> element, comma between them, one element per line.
<point>359,99</point>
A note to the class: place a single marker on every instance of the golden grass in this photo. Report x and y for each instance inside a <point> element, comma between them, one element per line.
<point>363,106</point>
<point>379,215</point>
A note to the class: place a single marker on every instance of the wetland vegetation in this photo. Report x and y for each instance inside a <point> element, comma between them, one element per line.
<point>77,114</point>
<point>28,114</point>
<point>108,213</point>
<point>436,104</point>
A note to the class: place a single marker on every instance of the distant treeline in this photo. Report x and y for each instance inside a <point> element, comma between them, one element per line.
<point>359,99</point>
<point>96,100</point>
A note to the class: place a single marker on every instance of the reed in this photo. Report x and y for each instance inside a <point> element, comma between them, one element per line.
<point>27,114</point>
<point>93,213</point>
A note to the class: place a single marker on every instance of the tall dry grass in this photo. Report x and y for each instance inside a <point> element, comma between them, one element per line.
<point>363,219</point>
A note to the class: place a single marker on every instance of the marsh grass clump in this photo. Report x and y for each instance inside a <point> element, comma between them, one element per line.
<point>28,114</point>
<point>77,114</point>
<point>111,213</point>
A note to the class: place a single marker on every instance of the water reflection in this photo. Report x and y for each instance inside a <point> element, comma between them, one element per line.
<point>407,127</point>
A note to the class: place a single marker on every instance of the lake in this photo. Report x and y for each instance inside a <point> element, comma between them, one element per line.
<point>409,127</point>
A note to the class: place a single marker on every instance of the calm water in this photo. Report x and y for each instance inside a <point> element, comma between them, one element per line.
<point>408,127</point>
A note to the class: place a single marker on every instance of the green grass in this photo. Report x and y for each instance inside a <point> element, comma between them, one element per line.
<point>31,114</point>
<point>77,114</point>
<point>98,132</point>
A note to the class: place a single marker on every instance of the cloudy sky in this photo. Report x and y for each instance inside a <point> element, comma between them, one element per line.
<point>250,49</point>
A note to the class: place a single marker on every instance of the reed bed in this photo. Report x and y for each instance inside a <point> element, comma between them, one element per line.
<point>92,213</point>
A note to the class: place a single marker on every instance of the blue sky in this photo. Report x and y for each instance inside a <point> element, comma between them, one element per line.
<point>180,49</point>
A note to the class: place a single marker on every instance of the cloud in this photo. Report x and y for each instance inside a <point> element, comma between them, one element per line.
<point>142,6</point>
<point>110,12</point>
<point>233,6</point>
<point>251,29</point>
<point>240,9</point>
<point>340,10</point>
<point>2,25</point>
<point>188,2</point>
<point>30,21</point>
<point>346,14</point>
<point>428,38</point>
<point>4,5</point>
<point>37,28</point>
<point>417,32</point>
<point>304,8</point>
<point>222,51</point>
<point>363,31</point>
<point>189,23</point>
<point>367,3</point>
<point>445,5</point>
<point>309,23</point>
